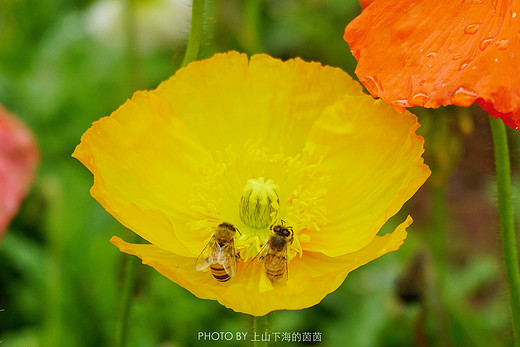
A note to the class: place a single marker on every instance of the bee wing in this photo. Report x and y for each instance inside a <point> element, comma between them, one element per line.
<point>260,257</point>
<point>206,257</point>
<point>227,257</point>
<point>254,264</point>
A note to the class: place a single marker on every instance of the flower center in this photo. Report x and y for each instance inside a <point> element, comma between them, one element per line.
<point>228,193</point>
<point>259,203</point>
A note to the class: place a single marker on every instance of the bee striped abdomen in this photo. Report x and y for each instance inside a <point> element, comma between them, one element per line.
<point>274,266</point>
<point>219,273</point>
<point>275,273</point>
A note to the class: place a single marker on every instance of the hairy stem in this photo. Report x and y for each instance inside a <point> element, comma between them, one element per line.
<point>130,268</point>
<point>507,222</point>
<point>197,21</point>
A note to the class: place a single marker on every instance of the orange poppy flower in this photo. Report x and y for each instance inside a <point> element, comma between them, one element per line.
<point>423,53</point>
<point>18,158</point>
<point>365,3</point>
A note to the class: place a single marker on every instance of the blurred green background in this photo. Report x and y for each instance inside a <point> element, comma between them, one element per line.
<point>65,64</point>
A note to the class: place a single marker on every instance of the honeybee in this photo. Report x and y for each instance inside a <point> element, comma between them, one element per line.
<point>219,254</point>
<point>274,253</point>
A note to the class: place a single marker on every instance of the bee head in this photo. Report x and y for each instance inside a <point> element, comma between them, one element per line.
<point>287,232</point>
<point>282,230</point>
<point>228,226</point>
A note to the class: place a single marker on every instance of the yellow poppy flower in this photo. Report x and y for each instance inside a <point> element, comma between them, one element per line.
<point>256,143</point>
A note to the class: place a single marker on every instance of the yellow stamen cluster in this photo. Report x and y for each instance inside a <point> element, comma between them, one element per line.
<point>285,187</point>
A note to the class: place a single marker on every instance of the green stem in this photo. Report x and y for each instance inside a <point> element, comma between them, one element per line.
<point>439,233</point>
<point>507,223</point>
<point>260,328</point>
<point>255,329</point>
<point>133,71</point>
<point>197,21</point>
<point>130,267</point>
<point>438,296</point>
<point>251,28</point>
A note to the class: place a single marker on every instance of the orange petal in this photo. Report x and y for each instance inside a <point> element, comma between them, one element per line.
<point>365,3</point>
<point>431,54</point>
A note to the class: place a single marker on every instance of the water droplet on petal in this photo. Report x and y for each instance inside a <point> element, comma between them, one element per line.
<point>472,28</point>
<point>485,43</point>
<point>464,64</point>
<point>457,57</point>
<point>513,14</point>
<point>419,99</point>
<point>463,97</point>
<point>400,105</point>
<point>501,44</point>
<point>431,55</point>
<point>373,85</point>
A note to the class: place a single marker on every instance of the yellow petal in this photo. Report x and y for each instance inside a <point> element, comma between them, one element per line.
<point>144,160</point>
<point>373,158</point>
<point>230,100</point>
<point>311,277</point>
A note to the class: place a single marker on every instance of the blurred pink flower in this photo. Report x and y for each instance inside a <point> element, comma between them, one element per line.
<point>18,159</point>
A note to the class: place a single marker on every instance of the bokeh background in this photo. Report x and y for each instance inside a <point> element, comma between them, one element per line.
<point>65,64</point>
